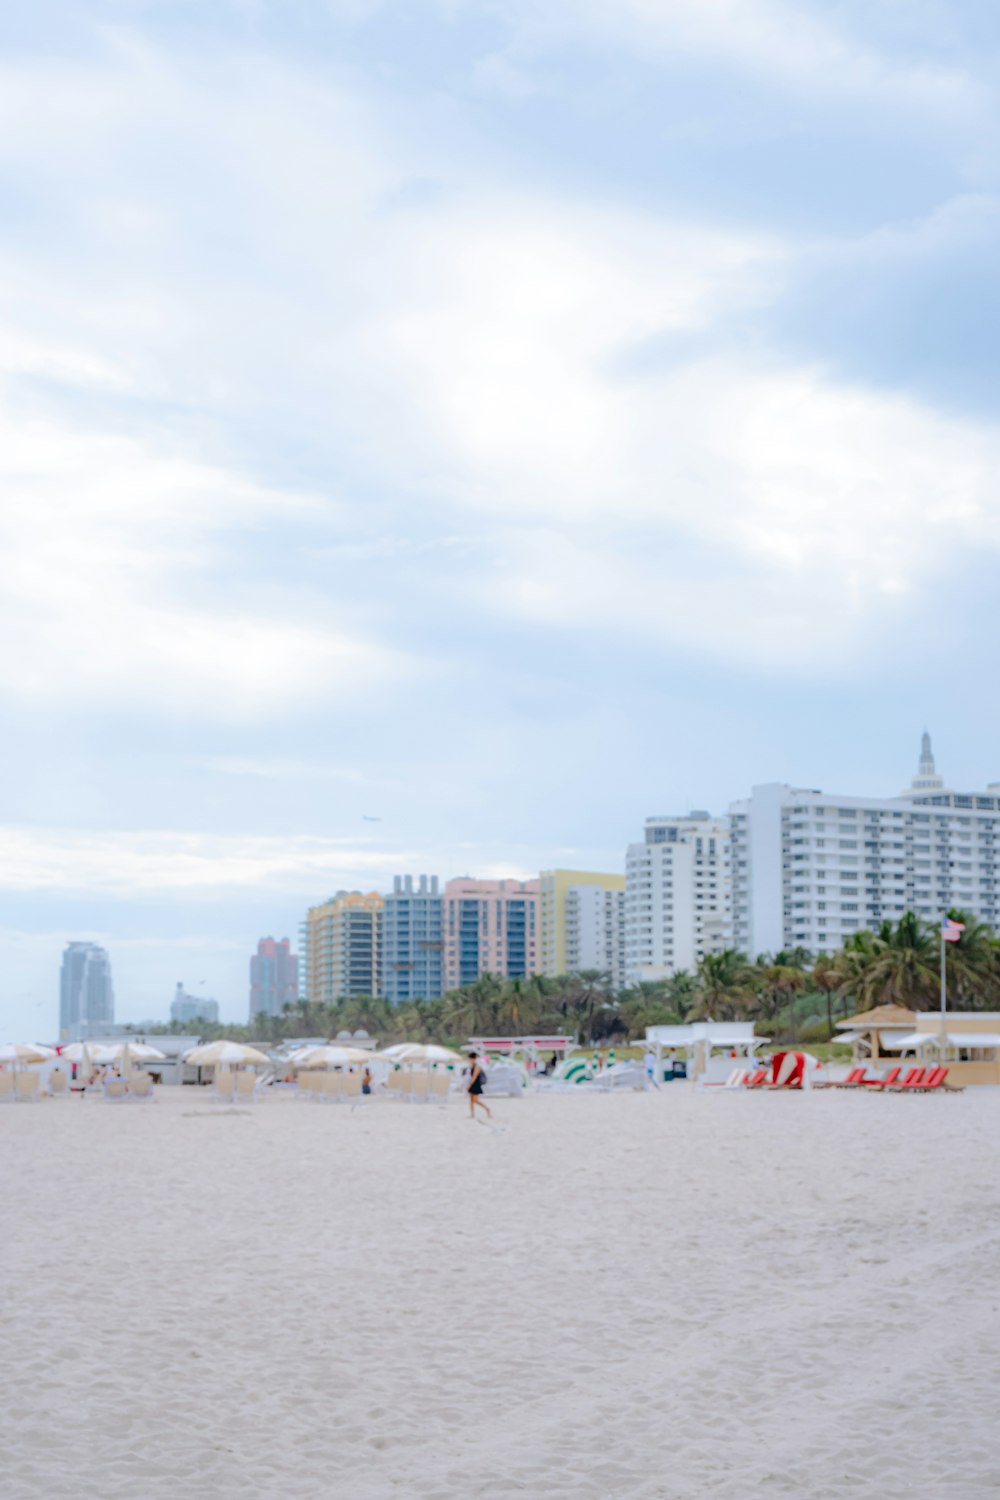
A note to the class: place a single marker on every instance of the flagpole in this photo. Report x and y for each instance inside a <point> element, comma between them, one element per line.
<point>944,991</point>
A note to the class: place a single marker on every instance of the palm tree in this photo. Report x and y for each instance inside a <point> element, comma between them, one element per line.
<point>725,987</point>
<point>973,963</point>
<point>826,977</point>
<point>899,966</point>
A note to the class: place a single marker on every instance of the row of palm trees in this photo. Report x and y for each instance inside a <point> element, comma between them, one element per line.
<point>896,965</point>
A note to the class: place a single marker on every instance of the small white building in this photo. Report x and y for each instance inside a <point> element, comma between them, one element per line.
<point>710,1050</point>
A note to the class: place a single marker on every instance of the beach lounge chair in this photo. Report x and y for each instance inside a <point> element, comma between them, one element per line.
<point>246,1085</point>
<point>141,1086</point>
<point>59,1083</point>
<point>116,1090</point>
<point>884,1083</point>
<point>440,1085</point>
<point>6,1086</point>
<point>26,1086</point>
<point>937,1080</point>
<point>911,1079</point>
<point>854,1080</point>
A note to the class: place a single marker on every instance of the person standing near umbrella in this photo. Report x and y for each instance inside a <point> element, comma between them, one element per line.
<point>477,1082</point>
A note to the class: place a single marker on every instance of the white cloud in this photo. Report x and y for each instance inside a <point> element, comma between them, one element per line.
<point>134,865</point>
<point>108,588</point>
<point>789,43</point>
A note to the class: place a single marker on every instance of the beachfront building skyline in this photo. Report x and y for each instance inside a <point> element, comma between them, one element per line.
<point>86,992</point>
<point>186,1008</point>
<point>490,927</point>
<point>677,896</point>
<point>810,869</point>
<point>274,977</point>
<point>581,923</point>
<point>342,947</point>
<point>413,940</point>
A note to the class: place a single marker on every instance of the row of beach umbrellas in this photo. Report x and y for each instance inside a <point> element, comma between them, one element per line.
<point>215,1054</point>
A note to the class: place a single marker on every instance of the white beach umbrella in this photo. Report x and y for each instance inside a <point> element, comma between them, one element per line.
<point>213,1053</point>
<point>25,1052</point>
<point>417,1052</point>
<point>328,1057</point>
<point>136,1051</point>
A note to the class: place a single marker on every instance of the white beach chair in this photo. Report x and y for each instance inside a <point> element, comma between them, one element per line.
<point>421,1085</point>
<point>246,1086</point>
<point>352,1087</point>
<point>115,1090</point>
<point>223,1086</point>
<point>7,1093</point>
<point>25,1087</point>
<point>440,1085</point>
<point>141,1086</point>
<point>328,1086</point>
<point>59,1083</point>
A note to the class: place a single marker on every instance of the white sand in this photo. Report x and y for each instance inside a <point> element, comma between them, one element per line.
<point>685,1294</point>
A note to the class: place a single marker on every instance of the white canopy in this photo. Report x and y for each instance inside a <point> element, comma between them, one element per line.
<point>947,1039</point>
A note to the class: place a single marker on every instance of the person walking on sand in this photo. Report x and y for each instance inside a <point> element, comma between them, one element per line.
<point>477,1081</point>
<point>649,1061</point>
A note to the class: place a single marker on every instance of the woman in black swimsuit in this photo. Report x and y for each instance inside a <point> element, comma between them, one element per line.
<point>475,1089</point>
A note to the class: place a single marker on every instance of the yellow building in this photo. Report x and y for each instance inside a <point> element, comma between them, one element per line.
<point>582,923</point>
<point>342,947</point>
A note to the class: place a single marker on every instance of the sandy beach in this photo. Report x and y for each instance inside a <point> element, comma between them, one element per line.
<point>684,1294</point>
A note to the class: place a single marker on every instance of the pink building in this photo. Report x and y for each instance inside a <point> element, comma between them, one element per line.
<point>274,977</point>
<point>490,927</point>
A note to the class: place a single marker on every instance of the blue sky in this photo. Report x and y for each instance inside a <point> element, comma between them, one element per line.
<point>506,419</point>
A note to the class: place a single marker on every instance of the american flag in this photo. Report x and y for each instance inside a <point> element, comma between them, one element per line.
<point>951,931</point>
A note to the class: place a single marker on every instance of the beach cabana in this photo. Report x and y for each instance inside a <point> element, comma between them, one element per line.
<point>710,1049</point>
<point>872,1033</point>
<point>966,1042</point>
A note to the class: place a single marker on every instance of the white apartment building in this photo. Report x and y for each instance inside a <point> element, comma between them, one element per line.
<point>808,869</point>
<point>595,932</point>
<point>677,896</point>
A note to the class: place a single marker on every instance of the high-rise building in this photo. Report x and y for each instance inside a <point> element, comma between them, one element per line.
<point>581,915</point>
<point>185,1007</point>
<point>413,940</point>
<point>677,896</point>
<point>490,927</point>
<point>86,993</point>
<point>342,946</point>
<point>809,868</point>
<point>274,977</point>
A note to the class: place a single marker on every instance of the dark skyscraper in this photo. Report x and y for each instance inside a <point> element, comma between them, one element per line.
<point>274,977</point>
<point>86,994</point>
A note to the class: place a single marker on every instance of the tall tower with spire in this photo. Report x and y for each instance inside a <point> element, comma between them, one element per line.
<point>926,779</point>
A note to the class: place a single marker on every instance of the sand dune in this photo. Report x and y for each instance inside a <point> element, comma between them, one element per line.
<point>686,1294</point>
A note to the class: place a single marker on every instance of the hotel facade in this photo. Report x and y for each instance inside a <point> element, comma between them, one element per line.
<point>677,896</point>
<point>581,916</point>
<point>490,927</point>
<point>341,947</point>
<point>809,868</point>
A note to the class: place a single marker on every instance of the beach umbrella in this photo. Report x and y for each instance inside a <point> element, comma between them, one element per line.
<point>126,1051</point>
<point>25,1052</point>
<point>328,1057</point>
<point>212,1054</point>
<point>416,1052</point>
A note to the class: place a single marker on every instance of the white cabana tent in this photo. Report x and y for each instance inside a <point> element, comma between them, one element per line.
<point>710,1049</point>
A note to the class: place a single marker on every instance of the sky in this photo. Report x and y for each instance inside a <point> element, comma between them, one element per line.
<point>504,419</point>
